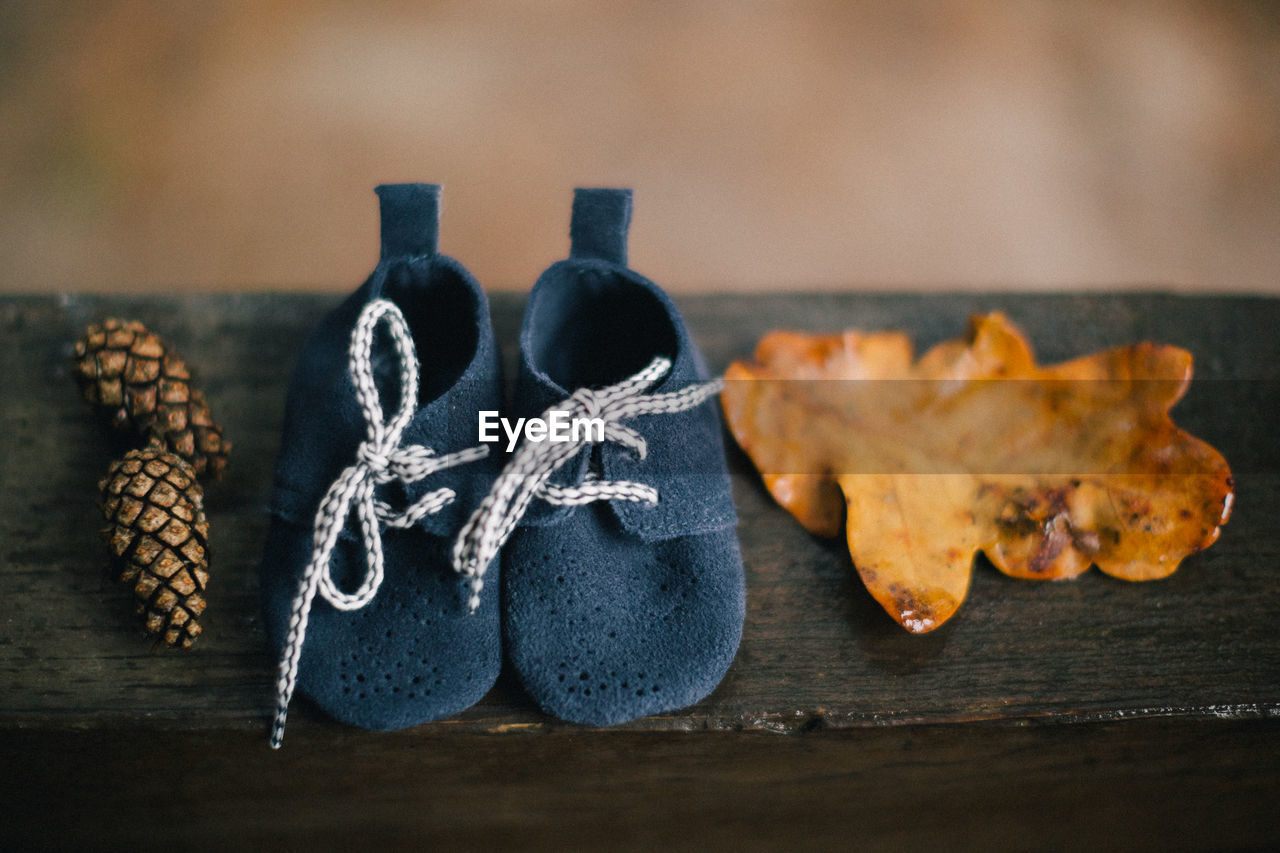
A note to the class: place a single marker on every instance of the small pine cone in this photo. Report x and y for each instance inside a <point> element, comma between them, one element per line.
<point>158,533</point>
<point>120,367</point>
<point>145,388</point>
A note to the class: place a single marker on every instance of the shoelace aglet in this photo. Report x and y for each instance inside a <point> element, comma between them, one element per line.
<point>277,729</point>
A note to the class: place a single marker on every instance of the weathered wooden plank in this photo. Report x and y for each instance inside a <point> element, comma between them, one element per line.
<point>1152,785</point>
<point>817,650</point>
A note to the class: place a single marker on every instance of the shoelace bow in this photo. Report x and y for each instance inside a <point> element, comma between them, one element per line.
<point>379,460</point>
<point>529,472</point>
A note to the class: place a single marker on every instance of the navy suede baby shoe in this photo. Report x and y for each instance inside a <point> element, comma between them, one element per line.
<point>378,468</point>
<point>622,580</point>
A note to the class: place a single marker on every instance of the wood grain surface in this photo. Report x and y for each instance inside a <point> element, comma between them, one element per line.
<point>1159,785</point>
<point>1194,658</point>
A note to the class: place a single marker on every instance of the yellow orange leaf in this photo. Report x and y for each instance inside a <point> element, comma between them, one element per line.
<point>1047,469</point>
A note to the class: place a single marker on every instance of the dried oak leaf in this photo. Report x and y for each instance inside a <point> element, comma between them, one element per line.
<point>1047,469</point>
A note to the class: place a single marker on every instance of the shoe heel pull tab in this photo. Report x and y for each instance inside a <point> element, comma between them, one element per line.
<point>599,225</point>
<point>410,219</point>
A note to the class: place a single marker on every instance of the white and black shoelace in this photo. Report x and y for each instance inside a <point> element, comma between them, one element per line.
<point>380,459</point>
<point>529,472</point>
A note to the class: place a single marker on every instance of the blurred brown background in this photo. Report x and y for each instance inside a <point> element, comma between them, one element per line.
<point>974,144</point>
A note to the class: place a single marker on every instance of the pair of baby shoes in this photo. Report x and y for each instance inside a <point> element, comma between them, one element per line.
<point>408,549</point>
